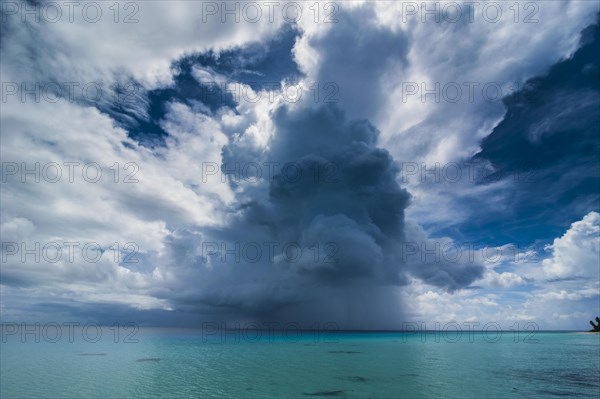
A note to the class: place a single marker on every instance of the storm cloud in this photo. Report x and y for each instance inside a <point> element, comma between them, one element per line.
<point>334,197</point>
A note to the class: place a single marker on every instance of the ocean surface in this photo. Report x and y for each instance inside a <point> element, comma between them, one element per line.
<point>169,363</point>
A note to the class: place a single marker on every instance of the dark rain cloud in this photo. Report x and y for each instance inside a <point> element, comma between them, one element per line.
<point>354,214</point>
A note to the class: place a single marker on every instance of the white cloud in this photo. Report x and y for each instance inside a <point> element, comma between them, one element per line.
<point>167,192</point>
<point>577,253</point>
<point>506,279</point>
<point>421,129</point>
<point>160,32</point>
<point>560,292</point>
<point>476,52</point>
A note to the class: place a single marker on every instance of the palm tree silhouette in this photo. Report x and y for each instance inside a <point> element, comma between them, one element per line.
<point>596,327</point>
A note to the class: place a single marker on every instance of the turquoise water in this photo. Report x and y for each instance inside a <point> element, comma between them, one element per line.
<point>186,363</point>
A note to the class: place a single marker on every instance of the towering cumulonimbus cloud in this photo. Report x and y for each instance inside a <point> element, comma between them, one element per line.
<point>321,236</point>
<point>340,216</point>
<point>327,243</point>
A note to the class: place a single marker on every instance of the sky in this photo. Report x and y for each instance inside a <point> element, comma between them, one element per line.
<point>362,163</point>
